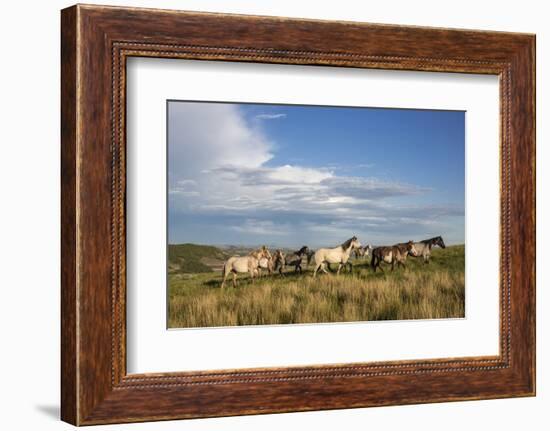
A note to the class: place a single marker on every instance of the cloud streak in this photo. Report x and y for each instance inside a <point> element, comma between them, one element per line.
<point>269,116</point>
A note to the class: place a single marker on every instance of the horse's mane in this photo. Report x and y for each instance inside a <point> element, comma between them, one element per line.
<point>301,251</point>
<point>431,240</point>
<point>402,246</point>
<point>259,251</point>
<point>346,245</point>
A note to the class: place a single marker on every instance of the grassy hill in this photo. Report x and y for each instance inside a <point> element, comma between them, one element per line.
<point>194,258</point>
<point>420,291</point>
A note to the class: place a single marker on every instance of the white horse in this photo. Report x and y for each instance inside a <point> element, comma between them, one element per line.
<point>265,263</point>
<point>339,255</point>
<point>250,263</point>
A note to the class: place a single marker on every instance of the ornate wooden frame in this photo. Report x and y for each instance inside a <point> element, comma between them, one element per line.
<point>95,42</point>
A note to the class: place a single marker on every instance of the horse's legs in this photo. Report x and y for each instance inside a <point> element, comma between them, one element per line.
<point>225,274</point>
<point>316,269</point>
<point>324,267</point>
<point>340,265</point>
<point>234,279</point>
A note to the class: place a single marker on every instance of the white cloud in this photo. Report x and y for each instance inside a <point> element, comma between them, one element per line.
<point>308,190</point>
<point>269,116</point>
<point>369,188</point>
<point>276,176</point>
<point>203,136</point>
<point>261,227</point>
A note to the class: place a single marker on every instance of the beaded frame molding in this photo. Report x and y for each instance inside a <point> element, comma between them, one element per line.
<point>95,43</point>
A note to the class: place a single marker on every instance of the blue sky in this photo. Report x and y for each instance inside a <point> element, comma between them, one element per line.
<point>288,175</point>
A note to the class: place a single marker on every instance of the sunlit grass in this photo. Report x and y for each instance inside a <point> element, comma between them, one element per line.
<point>420,291</point>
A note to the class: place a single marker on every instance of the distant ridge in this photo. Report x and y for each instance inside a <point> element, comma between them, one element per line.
<point>194,258</point>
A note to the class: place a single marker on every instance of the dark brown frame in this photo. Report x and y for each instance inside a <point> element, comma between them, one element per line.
<point>95,43</point>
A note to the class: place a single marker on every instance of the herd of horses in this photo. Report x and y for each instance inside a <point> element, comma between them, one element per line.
<point>262,259</point>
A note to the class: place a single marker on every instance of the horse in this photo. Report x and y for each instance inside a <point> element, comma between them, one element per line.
<point>424,247</point>
<point>295,259</point>
<point>359,253</point>
<point>250,264</point>
<point>339,255</point>
<point>309,256</point>
<point>265,262</point>
<point>393,254</point>
<point>362,252</point>
<point>279,262</point>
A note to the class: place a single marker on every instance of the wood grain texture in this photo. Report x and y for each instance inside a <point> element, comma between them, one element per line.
<point>69,366</point>
<point>96,41</point>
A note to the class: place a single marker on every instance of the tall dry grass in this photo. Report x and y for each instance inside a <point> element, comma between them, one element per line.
<point>359,297</point>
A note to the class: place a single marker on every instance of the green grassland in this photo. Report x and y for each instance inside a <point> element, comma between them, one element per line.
<point>420,291</point>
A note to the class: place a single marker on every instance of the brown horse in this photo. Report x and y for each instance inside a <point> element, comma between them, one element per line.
<point>279,262</point>
<point>392,254</point>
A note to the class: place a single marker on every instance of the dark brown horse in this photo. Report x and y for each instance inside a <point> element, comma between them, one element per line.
<point>295,259</point>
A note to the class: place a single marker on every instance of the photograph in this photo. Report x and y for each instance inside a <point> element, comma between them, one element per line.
<point>301,214</point>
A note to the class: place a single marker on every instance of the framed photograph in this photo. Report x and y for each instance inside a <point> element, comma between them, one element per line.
<point>264,214</point>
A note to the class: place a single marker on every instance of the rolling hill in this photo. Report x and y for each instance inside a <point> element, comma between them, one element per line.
<point>194,258</point>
